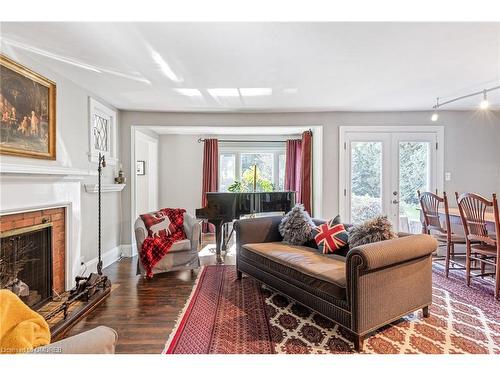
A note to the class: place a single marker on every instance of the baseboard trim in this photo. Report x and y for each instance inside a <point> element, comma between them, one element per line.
<point>127,250</point>
<point>108,258</point>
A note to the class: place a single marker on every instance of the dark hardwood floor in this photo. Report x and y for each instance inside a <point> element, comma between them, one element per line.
<point>142,311</point>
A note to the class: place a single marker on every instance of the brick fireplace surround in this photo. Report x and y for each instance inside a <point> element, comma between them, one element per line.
<point>57,216</point>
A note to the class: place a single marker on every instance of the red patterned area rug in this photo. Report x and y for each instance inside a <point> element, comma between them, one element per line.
<point>224,315</point>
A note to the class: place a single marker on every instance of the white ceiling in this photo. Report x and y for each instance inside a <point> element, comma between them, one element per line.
<point>267,66</point>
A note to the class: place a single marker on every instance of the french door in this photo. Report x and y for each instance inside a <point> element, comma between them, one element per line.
<point>381,169</point>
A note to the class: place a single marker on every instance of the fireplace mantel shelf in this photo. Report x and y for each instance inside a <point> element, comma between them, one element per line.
<point>40,170</point>
<point>105,188</point>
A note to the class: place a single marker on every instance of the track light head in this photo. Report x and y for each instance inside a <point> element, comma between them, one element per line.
<point>484,103</point>
<point>435,115</point>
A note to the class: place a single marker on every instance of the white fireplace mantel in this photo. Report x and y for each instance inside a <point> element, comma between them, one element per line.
<point>105,188</point>
<point>33,169</point>
<point>29,188</point>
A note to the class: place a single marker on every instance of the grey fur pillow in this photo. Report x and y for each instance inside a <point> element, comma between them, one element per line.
<point>296,227</point>
<point>373,230</point>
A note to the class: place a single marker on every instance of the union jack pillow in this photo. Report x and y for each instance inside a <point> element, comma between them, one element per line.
<point>331,236</point>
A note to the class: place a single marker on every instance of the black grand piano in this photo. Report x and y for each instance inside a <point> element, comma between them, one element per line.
<point>223,208</point>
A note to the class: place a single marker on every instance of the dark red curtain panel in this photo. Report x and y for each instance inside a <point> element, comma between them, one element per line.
<point>210,174</point>
<point>292,166</point>
<point>306,171</point>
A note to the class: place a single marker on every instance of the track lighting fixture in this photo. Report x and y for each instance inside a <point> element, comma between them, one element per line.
<point>484,104</point>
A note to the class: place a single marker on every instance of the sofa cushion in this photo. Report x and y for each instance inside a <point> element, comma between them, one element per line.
<point>164,222</point>
<point>373,230</point>
<point>330,237</point>
<point>296,226</point>
<point>301,263</point>
<point>340,252</point>
<point>181,245</point>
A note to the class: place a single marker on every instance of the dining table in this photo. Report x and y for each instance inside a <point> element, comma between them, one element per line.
<point>457,227</point>
<point>456,220</point>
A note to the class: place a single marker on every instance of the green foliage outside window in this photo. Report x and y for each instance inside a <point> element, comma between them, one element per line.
<point>246,183</point>
<point>413,171</point>
<point>366,178</point>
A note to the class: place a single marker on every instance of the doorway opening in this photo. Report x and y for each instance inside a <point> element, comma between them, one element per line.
<point>381,169</point>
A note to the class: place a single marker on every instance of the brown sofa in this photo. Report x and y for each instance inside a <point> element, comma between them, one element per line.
<point>371,286</point>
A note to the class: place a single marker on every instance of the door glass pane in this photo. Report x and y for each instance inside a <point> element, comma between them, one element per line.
<point>366,180</point>
<point>227,171</point>
<point>264,163</point>
<point>413,175</point>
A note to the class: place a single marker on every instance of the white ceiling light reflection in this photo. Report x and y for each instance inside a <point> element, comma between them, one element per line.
<point>188,92</point>
<point>165,68</point>
<point>50,55</point>
<point>224,92</point>
<point>70,61</point>
<point>262,91</point>
<point>243,91</point>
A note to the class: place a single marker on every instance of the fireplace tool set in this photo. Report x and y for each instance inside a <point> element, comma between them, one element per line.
<point>96,286</point>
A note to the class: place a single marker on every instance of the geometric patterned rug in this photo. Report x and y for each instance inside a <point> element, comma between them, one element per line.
<point>248,318</point>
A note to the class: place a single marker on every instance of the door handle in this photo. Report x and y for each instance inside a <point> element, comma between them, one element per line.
<point>395,201</point>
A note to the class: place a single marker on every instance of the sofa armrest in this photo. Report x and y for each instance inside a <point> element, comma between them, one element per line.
<point>100,340</point>
<point>258,230</point>
<point>140,233</point>
<point>391,252</point>
<point>388,279</point>
<point>192,227</point>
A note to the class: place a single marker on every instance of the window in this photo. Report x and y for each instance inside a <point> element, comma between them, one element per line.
<point>227,173</point>
<point>102,132</point>
<point>236,167</point>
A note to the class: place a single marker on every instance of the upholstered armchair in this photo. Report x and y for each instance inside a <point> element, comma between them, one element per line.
<point>182,255</point>
<point>100,340</point>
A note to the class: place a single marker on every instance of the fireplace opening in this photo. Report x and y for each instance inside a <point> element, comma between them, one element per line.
<point>26,263</point>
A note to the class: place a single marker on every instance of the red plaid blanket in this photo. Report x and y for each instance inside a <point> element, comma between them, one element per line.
<point>164,227</point>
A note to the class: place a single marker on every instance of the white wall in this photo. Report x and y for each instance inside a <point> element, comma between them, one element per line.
<point>72,147</point>
<point>181,166</point>
<point>181,181</point>
<point>472,145</point>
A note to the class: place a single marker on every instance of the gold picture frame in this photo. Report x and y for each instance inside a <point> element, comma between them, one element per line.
<point>27,112</point>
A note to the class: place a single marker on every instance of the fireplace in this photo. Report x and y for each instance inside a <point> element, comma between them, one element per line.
<point>26,263</point>
<point>33,254</point>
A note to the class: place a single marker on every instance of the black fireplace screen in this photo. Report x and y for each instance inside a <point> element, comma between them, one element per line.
<point>26,263</point>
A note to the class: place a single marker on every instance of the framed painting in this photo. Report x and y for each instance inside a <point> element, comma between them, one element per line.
<point>27,112</point>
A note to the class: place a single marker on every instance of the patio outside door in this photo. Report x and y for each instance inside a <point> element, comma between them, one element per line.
<point>382,171</point>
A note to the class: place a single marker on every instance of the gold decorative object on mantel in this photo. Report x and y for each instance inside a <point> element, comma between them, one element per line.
<point>121,179</point>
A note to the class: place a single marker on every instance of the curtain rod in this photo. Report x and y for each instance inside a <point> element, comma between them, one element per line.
<point>242,140</point>
<point>247,140</point>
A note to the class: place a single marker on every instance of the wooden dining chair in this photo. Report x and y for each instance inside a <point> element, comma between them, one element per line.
<point>430,202</point>
<point>486,248</point>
